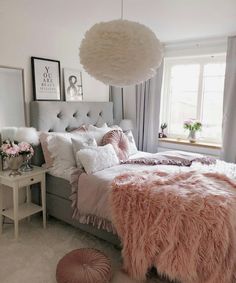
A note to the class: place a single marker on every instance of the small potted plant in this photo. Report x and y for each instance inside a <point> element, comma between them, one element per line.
<point>162,133</point>
<point>193,126</point>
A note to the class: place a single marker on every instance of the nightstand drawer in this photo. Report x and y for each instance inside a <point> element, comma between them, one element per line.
<point>30,180</point>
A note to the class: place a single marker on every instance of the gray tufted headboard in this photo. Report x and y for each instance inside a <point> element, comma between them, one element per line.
<point>51,116</point>
<point>61,116</point>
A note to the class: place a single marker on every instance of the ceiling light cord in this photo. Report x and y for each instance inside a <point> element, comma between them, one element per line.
<point>122,9</point>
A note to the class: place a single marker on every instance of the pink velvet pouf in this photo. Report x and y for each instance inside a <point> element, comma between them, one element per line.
<point>84,266</point>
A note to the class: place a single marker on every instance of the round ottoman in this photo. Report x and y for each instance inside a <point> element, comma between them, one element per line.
<point>84,266</point>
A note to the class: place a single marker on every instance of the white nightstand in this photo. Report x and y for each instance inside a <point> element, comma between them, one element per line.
<point>18,212</point>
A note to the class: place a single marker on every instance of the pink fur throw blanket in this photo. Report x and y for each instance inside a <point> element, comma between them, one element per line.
<point>182,223</point>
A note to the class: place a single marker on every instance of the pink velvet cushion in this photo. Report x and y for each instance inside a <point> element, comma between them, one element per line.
<point>84,266</point>
<point>119,141</point>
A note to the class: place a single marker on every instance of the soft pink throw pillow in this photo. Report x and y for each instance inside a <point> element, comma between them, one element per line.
<point>119,141</point>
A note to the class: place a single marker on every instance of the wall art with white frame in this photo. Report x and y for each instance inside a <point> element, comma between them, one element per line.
<point>73,85</point>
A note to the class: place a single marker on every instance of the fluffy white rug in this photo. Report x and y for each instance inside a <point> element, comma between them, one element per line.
<point>33,259</point>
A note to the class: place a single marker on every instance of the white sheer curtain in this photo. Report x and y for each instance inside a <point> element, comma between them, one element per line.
<point>148,100</point>
<point>229,111</point>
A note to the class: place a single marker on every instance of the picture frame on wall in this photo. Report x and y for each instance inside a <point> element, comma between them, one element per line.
<point>73,85</point>
<point>46,75</point>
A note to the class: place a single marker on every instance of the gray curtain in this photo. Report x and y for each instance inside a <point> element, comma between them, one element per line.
<point>148,100</point>
<point>229,109</point>
<point>116,96</point>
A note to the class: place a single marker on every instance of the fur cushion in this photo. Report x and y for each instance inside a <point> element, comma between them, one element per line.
<point>25,134</point>
<point>97,158</point>
<point>119,141</point>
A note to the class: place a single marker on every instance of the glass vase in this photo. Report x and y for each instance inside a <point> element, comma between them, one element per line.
<point>192,136</point>
<point>26,166</point>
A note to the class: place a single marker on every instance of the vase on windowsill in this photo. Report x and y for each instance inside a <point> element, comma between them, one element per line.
<point>192,136</point>
<point>193,126</point>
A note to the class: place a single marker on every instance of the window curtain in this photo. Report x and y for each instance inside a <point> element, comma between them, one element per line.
<point>148,101</point>
<point>229,108</point>
<point>116,96</point>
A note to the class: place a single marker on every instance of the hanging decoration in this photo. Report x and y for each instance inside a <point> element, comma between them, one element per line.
<point>120,52</point>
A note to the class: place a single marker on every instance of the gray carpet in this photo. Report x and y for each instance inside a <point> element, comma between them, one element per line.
<point>33,259</point>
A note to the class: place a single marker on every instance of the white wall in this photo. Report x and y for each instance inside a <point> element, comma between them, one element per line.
<point>51,29</point>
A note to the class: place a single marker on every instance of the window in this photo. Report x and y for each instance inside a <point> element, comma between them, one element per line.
<point>193,88</point>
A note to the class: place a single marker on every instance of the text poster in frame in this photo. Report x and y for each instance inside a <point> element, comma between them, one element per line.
<point>46,79</point>
<point>73,84</point>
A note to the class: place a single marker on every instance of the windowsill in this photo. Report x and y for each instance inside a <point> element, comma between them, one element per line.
<point>188,143</point>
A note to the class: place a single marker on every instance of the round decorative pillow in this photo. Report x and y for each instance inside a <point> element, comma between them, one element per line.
<point>119,141</point>
<point>84,266</point>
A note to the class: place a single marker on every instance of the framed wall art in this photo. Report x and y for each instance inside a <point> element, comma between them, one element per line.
<point>46,79</point>
<point>73,85</point>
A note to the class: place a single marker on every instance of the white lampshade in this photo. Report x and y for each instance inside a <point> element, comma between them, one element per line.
<point>120,52</point>
<point>126,125</point>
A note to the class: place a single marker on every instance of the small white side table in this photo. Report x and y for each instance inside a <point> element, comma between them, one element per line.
<point>18,212</point>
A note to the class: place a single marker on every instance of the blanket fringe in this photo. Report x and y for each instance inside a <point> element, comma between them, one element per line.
<point>94,220</point>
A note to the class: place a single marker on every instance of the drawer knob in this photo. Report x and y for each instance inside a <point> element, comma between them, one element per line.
<point>32,179</point>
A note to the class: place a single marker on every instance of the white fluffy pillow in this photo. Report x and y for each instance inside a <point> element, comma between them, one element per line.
<point>97,158</point>
<point>132,144</point>
<point>80,142</point>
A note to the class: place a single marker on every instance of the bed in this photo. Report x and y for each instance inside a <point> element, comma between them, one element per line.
<point>61,117</point>
<point>160,212</point>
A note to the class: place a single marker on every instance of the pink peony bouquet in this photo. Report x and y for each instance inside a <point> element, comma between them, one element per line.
<point>13,149</point>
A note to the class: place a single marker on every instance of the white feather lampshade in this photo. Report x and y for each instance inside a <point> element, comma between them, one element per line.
<point>29,135</point>
<point>120,52</point>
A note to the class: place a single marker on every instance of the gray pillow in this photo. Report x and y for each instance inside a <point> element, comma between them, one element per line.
<point>80,142</point>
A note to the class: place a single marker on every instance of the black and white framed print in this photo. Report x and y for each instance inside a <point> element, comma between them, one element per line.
<point>73,85</point>
<point>46,79</point>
